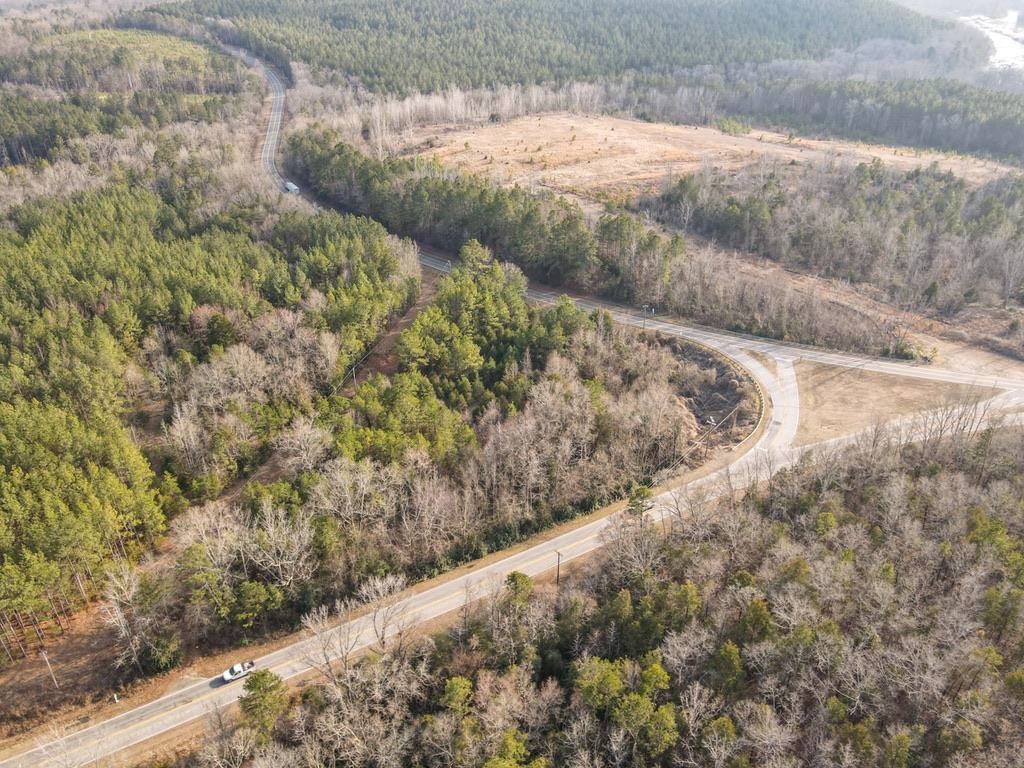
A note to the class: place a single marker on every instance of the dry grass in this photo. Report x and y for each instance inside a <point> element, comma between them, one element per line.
<point>599,155</point>
<point>840,401</point>
<point>594,158</point>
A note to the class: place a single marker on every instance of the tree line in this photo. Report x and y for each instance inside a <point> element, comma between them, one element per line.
<point>399,47</point>
<point>68,86</point>
<point>551,239</point>
<point>697,62</point>
<point>924,237</point>
<point>938,113</point>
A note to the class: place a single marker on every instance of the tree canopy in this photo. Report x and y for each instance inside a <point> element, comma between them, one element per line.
<point>87,286</point>
<point>70,85</point>
<point>427,45</point>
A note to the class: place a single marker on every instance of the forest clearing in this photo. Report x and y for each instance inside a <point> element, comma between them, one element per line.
<point>606,394</point>
<point>595,156</point>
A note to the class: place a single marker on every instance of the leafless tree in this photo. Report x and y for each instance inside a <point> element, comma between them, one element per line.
<point>226,746</point>
<point>119,613</point>
<point>303,446</point>
<point>698,705</point>
<point>719,747</point>
<point>188,437</point>
<point>357,493</point>
<point>388,617</point>
<point>57,752</point>
<point>333,639</point>
<point>691,512</point>
<point>280,544</point>
<point>767,736</point>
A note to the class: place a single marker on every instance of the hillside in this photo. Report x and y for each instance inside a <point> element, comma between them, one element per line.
<point>862,610</point>
<point>427,45</point>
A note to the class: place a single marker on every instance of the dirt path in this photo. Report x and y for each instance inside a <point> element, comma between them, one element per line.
<point>382,358</point>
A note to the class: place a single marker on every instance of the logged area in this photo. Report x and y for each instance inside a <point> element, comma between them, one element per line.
<point>865,227</point>
<point>599,155</point>
<point>287,388</point>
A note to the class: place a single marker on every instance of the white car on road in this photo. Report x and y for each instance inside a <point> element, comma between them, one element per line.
<point>239,670</point>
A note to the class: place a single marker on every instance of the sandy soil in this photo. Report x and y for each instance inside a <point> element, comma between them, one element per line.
<point>838,401</point>
<point>964,356</point>
<point>597,155</point>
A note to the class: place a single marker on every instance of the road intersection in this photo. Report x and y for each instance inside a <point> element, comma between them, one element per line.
<point>770,448</point>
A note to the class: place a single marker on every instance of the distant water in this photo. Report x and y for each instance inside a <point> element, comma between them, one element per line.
<point>1007,38</point>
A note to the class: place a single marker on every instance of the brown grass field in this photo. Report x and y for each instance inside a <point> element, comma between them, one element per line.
<point>840,401</point>
<point>592,156</point>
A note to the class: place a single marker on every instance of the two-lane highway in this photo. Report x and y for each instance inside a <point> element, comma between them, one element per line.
<point>272,137</point>
<point>268,156</point>
<point>771,449</point>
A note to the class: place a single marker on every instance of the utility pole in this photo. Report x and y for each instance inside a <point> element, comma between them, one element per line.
<point>647,309</point>
<point>46,658</point>
<point>558,567</point>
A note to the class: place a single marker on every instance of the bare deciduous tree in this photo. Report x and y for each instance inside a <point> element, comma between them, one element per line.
<point>280,544</point>
<point>388,617</point>
<point>119,613</point>
<point>303,445</point>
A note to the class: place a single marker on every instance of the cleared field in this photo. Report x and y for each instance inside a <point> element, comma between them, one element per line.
<point>145,45</point>
<point>839,401</point>
<point>595,155</point>
<point>592,158</point>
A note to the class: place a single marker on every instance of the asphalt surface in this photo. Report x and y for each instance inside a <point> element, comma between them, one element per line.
<point>268,156</point>
<point>771,450</point>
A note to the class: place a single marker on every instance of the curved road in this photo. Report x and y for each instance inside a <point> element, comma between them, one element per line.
<point>770,451</point>
<point>269,154</point>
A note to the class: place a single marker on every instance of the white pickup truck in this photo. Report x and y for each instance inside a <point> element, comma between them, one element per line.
<point>239,670</point>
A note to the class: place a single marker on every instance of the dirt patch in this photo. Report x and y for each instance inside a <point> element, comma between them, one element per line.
<point>838,401</point>
<point>382,358</point>
<point>600,155</point>
<point>769,363</point>
<point>81,659</point>
<point>965,357</point>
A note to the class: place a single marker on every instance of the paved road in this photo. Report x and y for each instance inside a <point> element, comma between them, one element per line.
<point>772,450</point>
<point>269,154</point>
